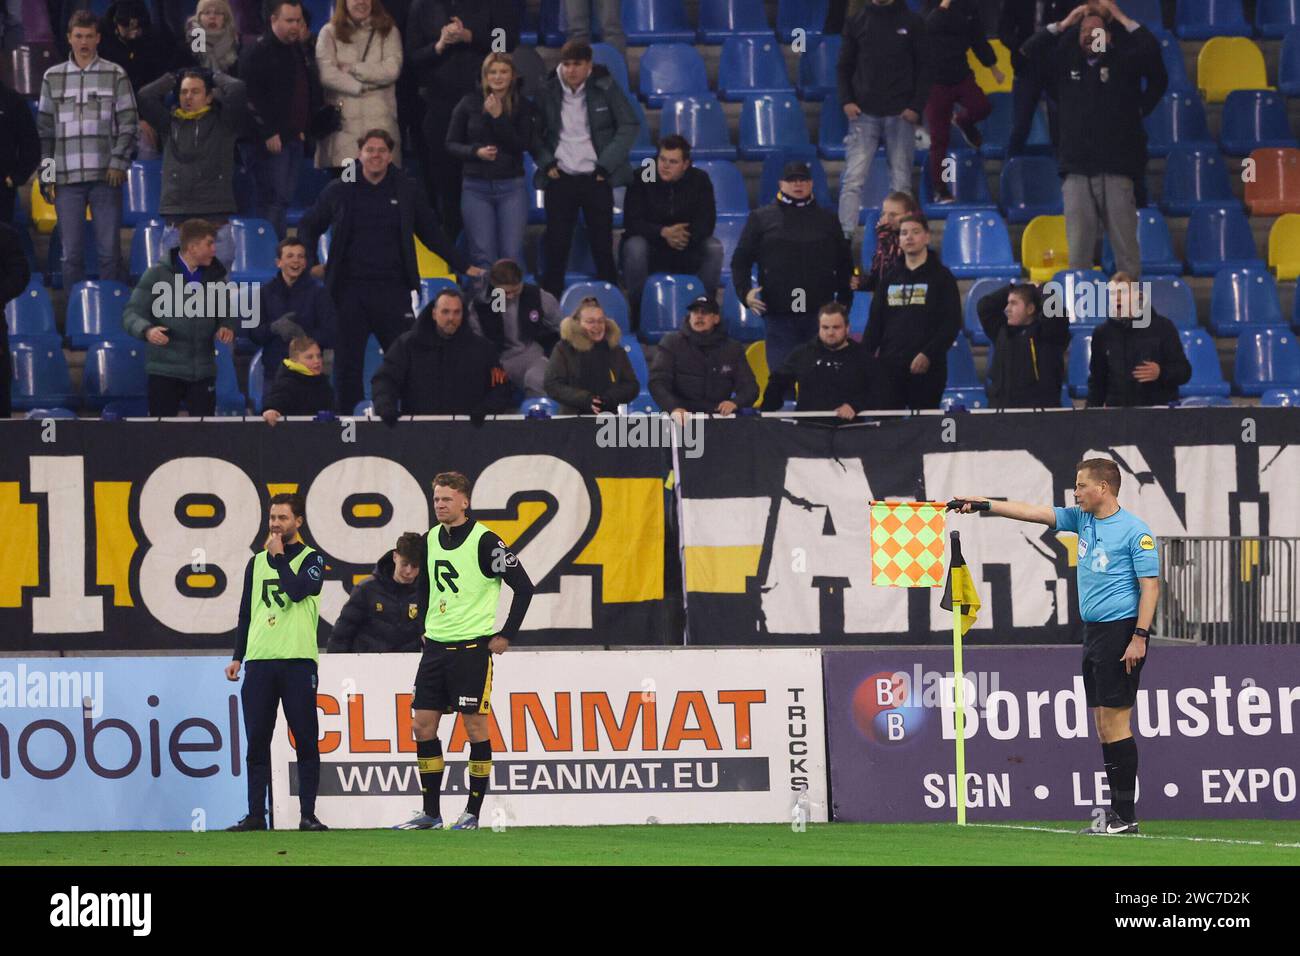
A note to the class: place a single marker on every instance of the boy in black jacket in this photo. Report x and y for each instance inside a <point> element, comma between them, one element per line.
<point>1137,354</point>
<point>1028,348</point>
<point>298,388</point>
<point>834,373</point>
<point>382,613</point>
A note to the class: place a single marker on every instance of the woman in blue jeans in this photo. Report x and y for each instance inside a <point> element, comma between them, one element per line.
<point>490,131</point>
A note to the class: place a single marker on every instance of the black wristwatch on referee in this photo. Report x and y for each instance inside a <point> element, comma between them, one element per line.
<point>1142,632</point>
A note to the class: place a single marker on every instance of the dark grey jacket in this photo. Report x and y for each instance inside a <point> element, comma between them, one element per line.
<point>613,126</point>
<point>699,371</point>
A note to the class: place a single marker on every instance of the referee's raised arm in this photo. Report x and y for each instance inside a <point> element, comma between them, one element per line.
<point>1019,510</point>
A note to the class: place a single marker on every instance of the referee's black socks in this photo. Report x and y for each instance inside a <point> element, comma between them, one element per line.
<point>1121,759</point>
<point>480,774</point>
<point>429,755</point>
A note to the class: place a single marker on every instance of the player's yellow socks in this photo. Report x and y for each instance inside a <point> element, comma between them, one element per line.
<point>480,774</point>
<point>429,757</point>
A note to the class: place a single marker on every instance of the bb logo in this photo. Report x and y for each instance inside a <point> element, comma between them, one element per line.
<point>887,709</point>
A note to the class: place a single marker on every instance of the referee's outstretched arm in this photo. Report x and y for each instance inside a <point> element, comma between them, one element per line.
<point>1019,510</point>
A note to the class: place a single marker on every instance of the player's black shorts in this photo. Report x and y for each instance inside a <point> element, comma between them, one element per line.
<point>455,677</point>
<point>1104,680</point>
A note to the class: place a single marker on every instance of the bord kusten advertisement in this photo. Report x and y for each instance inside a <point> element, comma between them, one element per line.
<point>580,738</point>
<point>1216,729</point>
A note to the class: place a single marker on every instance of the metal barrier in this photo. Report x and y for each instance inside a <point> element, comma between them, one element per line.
<point>1243,590</point>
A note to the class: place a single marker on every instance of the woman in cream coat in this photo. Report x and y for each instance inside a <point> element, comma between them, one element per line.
<point>360,57</point>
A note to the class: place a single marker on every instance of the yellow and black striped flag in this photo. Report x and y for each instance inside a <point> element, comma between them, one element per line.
<point>960,585</point>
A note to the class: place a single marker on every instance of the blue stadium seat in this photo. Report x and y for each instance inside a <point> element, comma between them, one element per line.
<point>636,357</point>
<point>363,409</point>
<point>1207,374</point>
<point>817,80</point>
<point>664,302</point>
<point>582,263</point>
<point>1281,398</point>
<point>257,382</point>
<point>95,312</point>
<point>143,192</point>
<point>1172,297</point>
<point>1172,53</point>
<point>1266,359</point>
<point>699,118</point>
<point>1147,13</point>
<point>40,373</point>
<point>318,14</point>
<point>832,128</point>
<point>671,69</point>
<point>961,366</point>
<point>611,300</point>
<point>1254,119</point>
<point>727,232</point>
<point>1155,244</point>
<point>750,67</point>
<point>1202,19</point>
<point>1273,18</point>
<point>656,21</point>
<point>429,287</point>
<point>536,197</point>
<point>1076,366</point>
<point>742,324</point>
<point>311,183</point>
<point>860,314</point>
<point>970,187</point>
<point>643,146</point>
<point>1205,401</point>
<point>1086,299</point>
<point>968,397</point>
<point>114,370</point>
<point>144,246</point>
<point>609,57</point>
<point>730,194</point>
<point>970,313</point>
<point>1177,120</point>
<point>1288,66</point>
<point>548,26</point>
<point>996,129</point>
<point>874,192</point>
<point>255,243</point>
<point>1219,237</point>
<point>1241,298</point>
<point>721,19</point>
<point>370,364</point>
<point>32,313</point>
<point>643,404</point>
<point>539,407</point>
<point>40,414</point>
<point>1194,176</point>
<point>230,400</point>
<point>769,182</point>
<point>771,122</point>
<point>1030,186</point>
<point>977,244</point>
<point>806,15</point>
<point>868,217</point>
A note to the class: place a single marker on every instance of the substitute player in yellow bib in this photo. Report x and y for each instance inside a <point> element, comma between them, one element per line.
<point>466,564</point>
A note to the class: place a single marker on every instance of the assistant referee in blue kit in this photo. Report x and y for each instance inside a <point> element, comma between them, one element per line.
<point>1119,586</point>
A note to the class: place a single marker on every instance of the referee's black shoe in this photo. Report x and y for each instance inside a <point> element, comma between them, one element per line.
<point>309,822</point>
<point>1113,825</point>
<point>248,823</point>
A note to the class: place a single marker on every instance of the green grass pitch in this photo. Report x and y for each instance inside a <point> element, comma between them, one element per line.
<point>1180,843</point>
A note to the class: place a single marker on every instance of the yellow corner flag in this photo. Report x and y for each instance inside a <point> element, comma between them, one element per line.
<point>960,597</point>
<point>960,587</point>
<point>907,544</point>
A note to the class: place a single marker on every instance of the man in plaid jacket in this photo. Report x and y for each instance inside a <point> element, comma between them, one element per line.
<point>87,125</point>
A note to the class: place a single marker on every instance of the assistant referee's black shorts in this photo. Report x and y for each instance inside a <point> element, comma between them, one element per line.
<point>1104,680</point>
<point>455,677</point>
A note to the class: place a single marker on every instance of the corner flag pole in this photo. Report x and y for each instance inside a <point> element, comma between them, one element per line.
<point>959,691</point>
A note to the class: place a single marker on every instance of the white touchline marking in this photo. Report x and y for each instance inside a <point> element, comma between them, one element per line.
<point>1142,836</point>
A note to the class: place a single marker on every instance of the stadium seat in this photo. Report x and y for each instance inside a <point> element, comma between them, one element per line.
<point>539,407</point>
<point>1172,297</point>
<point>363,409</point>
<point>1228,63</point>
<point>977,244</point>
<point>756,356</point>
<point>643,147</point>
<point>40,414</point>
<point>318,13</point>
<point>970,313</point>
<point>1281,398</point>
<point>40,373</point>
<point>543,23</point>
<point>1084,292</point>
<point>996,129</point>
<point>611,300</point>
<point>769,181</point>
<point>1044,248</point>
<point>1203,19</point>
<point>1275,189</point>
<point>255,253</point>
<point>1284,248</point>
<point>721,19</point>
<point>643,404</point>
<point>1155,245</point>
<point>43,215</point>
<point>1171,52</point>
<point>95,312</point>
<point>730,194</point>
<point>727,232</point>
<point>963,398</point>
<point>1219,237</point>
<point>1177,120</point>
<point>806,15</point>
<point>536,197</point>
<point>769,123</point>
<point>859,314</point>
<point>1030,186</point>
<point>230,400</point>
<point>1207,374</point>
<point>311,182</point>
<point>751,67</point>
<point>868,217</point>
<point>961,365</point>
<point>370,364</point>
<point>636,358</point>
<point>832,128</point>
<point>874,191</point>
<point>1288,66</point>
<point>1273,18</point>
<point>1243,297</point>
<point>1076,365</point>
<point>143,193</point>
<point>984,75</point>
<point>432,286</point>
<point>257,382</point>
<point>1194,176</point>
<point>970,186</point>
<point>817,79</point>
<point>671,69</point>
<point>1266,359</point>
<point>1205,401</point>
<point>664,302</point>
<point>1149,14</point>
<point>699,118</point>
<point>656,21</point>
<point>609,57</point>
<point>114,370</point>
<point>743,325</point>
<point>145,240</point>
<point>1254,118</point>
<point>32,313</point>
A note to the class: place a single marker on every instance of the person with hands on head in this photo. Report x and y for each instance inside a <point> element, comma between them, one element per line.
<point>1119,588</point>
<point>589,372</point>
<point>277,646</point>
<point>832,372</point>
<point>699,369</point>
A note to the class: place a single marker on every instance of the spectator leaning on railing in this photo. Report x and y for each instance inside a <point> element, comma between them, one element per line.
<point>1027,362</point>
<point>523,322</point>
<point>589,371</point>
<point>1136,359</point>
<point>382,612</point>
<point>833,373</point>
<point>699,369</point>
<point>299,387</point>
<point>293,303</point>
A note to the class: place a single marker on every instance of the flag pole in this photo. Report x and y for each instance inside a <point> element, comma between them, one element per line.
<point>959,691</point>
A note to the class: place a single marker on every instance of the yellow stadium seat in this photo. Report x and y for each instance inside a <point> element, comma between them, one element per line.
<point>1043,248</point>
<point>984,76</point>
<point>756,355</point>
<point>431,265</point>
<point>43,215</point>
<point>1229,63</point>
<point>1284,247</point>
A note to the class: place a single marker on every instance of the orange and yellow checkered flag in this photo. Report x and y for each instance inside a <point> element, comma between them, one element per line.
<point>907,544</point>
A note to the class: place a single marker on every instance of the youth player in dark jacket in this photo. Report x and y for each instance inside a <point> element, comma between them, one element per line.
<point>383,612</point>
